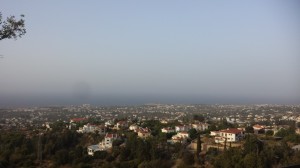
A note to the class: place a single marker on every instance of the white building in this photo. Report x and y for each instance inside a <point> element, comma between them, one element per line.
<point>143,132</point>
<point>214,133</point>
<point>167,130</point>
<point>229,135</point>
<point>121,124</point>
<point>133,127</point>
<point>182,128</point>
<point>257,128</point>
<point>105,144</point>
<point>200,126</point>
<point>180,137</point>
<point>90,128</point>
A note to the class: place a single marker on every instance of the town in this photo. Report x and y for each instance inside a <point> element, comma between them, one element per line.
<point>165,135</point>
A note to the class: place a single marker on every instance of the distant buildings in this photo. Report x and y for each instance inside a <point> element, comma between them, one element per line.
<point>75,120</point>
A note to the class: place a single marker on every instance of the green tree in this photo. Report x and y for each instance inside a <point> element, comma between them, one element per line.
<point>250,160</point>
<point>270,133</point>
<point>11,27</point>
<point>200,118</point>
<point>249,129</point>
<point>193,133</point>
<point>188,158</point>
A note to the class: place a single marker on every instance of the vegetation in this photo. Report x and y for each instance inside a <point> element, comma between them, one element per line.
<point>63,147</point>
<point>256,153</point>
<point>11,27</point>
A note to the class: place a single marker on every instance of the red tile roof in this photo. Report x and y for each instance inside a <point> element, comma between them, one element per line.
<point>231,130</point>
<point>258,126</point>
<point>77,119</point>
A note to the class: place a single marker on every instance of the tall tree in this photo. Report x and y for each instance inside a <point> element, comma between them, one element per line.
<point>198,145</point>
<point>11,27</point>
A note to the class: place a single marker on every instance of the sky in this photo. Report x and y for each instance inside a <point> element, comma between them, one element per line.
<point>136,52</point>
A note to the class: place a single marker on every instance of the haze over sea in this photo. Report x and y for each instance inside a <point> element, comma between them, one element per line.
<point>136,52</point>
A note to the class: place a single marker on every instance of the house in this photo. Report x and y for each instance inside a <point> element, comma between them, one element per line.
<point>214,133</point>
<point>77,120</point>
<point>183,134</point>
<point>167,130</point>
<point>109,123</point>
<point>296,148</point>
<point>229,135</point>
<point>258,128</point>
<point>92,149</point>
<point>90,128</point>
<point>105,144</point>
<point>133,127</point>
<point>143,132</point>
<point>108,140</point>
<point>180,128</point>
<point>164,121</point>
<point>200,126</point>
<point>121,124</point>
<point>180,137</point>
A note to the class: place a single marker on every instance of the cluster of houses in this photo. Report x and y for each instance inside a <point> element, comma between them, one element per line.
<point>179,133</point>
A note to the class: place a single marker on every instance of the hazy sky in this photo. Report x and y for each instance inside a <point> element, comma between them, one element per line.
<point>132,52</point>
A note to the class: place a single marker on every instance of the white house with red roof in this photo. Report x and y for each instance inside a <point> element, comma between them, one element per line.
<point>143,132</point>
<point>121,124</point>
<point>229,135</point>
<point>258,128</point>
<point>180,137</point>
<point>75,120</point>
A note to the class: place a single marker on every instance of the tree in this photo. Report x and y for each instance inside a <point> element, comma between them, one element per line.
<point>193,133</point>
<point>200,118</point>
<point>250,160</point>
<point>198,145</point>
<point>11,27</point>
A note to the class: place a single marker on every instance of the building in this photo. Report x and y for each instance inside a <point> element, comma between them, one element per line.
<point>143,132</point>
<point>76,120</point>
<point>229,135</point>
<point>214,133</point>
<point>133,127</point>
<point>105,144</point>
<point>258,128</point>
<point>182,128</point>
<point>180,137</point>
<point>90,128</point>
<point>121,124</point>
<point>167,130</point>
<point>296,148</point>
<point>200,126</point>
